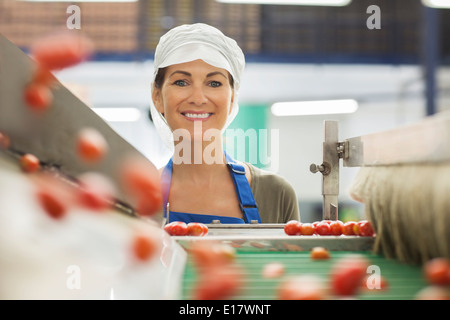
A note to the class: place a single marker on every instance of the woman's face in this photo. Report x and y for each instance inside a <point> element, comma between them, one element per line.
<point>194,93</point>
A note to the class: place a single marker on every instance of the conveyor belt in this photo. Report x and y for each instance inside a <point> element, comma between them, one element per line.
<point>404,281</point>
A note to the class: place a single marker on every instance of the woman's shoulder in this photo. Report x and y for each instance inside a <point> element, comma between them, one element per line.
<point>264,181</point>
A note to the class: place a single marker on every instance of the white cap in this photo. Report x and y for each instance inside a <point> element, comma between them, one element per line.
<point>187,43</point>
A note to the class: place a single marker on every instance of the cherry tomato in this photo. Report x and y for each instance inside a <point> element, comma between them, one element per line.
<point>336,227</point>
<point>91,145</point>
<point>433,293</point>
<point>38,96</point>
<point>43,76</point>
<point>5,141</point>
<point>347,228</point>
<point>323,228</point>
<point>347,274</point>
<point>52,204</point>
<point>196,229</point>
<point>150,204</point>
<point>356,229</point>
<point>368,282</point>
<point>205,229</point>
<point>209,254</point>
<point>219,283</point>
<point>365,229</point>
<point>96,192</point>
<point>29,163</point>
<point>273,270</point>
<point>292,228</point>
<point>61,50</point>
<point>140,177</point>
<point>144,247</point>
<point>176,228</point>
<point>437,271</point>
<point>307,229</point>
<point>304,287</point>
<point>319,253</point>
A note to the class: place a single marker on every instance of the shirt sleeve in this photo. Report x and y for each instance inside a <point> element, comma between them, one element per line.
<point>276,199</point>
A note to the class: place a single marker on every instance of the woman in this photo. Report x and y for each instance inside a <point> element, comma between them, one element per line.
<point>194,94</point>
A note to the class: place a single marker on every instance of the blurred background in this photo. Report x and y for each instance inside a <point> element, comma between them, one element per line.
<point>389,59</point>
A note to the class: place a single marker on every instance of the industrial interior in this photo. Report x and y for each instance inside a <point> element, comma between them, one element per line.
<point>347,101</point>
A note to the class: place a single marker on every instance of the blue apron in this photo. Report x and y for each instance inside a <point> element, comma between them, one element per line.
<point>245,196</point>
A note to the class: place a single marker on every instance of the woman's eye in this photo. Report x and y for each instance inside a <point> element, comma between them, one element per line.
<point>180,83</point>
<point>215,84</point>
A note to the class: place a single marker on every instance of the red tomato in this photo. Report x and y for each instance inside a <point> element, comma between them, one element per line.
<point>347,274</point>
<point>336,227</point>
<point>91,145</point>
<point>292,228</point>
<point>29,163</point>
<point>219,283</point>
<point>141,180</point>
<point>356,229</point>
<point>273,270</point>
<point>307,229</point>
<point>61,50</point>
<point>144,247</point>
<point>140,177</point>
<point>433,293</point>
<point>319,253</point>
<point>383,284</point>
<point>205,229</point>
<point>209,254</point>
<point>150,204</point>
<point>437,271</point>
<point>96,191</point>
<point>196,229</point>
<point>323,228</point>
<point>38,96</point>
<point>304,287</point>
<point>5,141</point>
<point>347,228</point>
<point>52,204</point>
<point>43,76</point>
<point>176,228</point>
<point>365,229</point>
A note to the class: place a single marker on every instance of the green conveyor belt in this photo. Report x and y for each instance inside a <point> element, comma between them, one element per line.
<point>404,281</point>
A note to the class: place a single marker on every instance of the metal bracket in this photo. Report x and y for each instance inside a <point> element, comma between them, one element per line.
<point>333,150</point>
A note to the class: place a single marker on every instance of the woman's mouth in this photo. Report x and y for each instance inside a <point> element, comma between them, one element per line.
<point>196,116</point>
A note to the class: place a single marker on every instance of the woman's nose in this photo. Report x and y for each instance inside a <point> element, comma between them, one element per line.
<point>198,96</point>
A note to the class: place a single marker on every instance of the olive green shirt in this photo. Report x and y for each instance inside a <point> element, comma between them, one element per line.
<point>276,198</point>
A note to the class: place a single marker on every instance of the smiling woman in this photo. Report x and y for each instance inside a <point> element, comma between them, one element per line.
<point>194,99</point>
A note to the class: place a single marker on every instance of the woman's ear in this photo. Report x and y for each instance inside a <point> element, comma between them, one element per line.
<point>157,100</point>
<point>232,102</point>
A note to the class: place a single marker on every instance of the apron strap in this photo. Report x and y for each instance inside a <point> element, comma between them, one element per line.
<point>247,202</point>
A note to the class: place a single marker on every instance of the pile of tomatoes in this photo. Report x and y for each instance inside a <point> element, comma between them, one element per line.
<point>180,228</point>
<point>361,228</point>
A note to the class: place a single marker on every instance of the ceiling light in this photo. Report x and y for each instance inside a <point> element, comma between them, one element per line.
<point>303,108</point>
<point>443,4</point>
<point>118,114</point>
<point>336,3</point>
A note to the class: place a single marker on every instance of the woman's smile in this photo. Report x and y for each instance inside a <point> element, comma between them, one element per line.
<point>197,115</point>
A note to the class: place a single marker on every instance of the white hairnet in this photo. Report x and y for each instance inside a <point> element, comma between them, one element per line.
<point>192,42</point>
